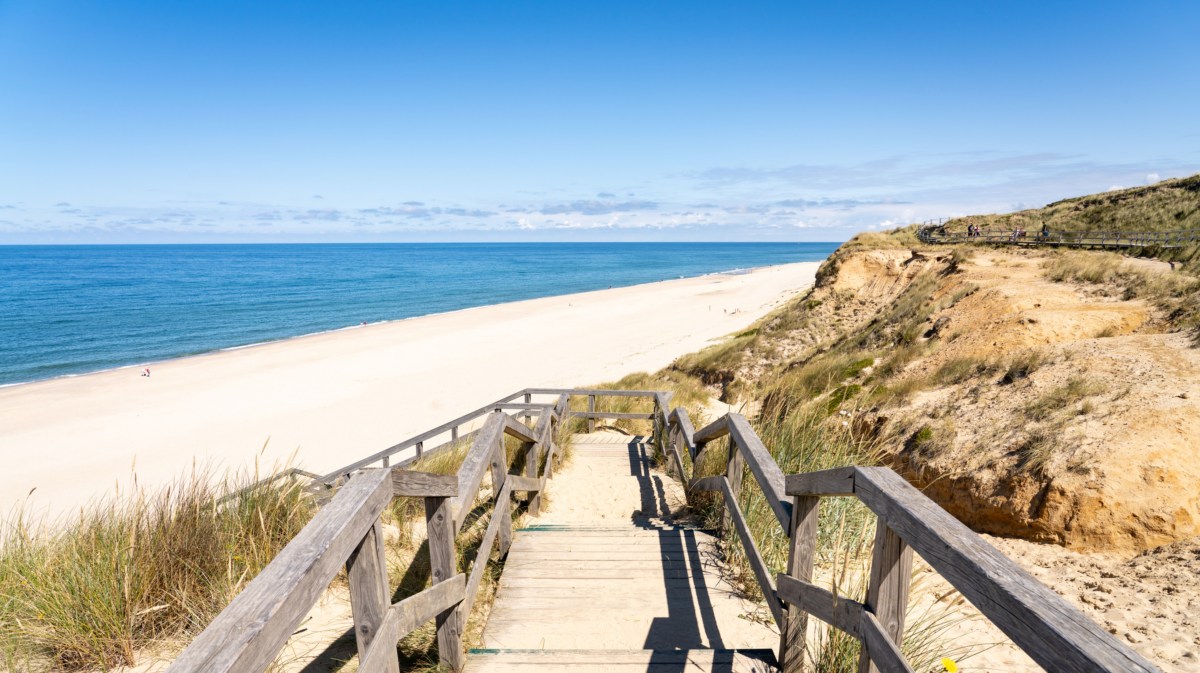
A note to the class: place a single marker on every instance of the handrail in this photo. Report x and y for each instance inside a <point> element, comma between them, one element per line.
<point>248,634</point>
<point>1050,630</point>
<point>1054,633</point>
<point>934,232</point>
<point>245,637</point>
<point>418,441</point>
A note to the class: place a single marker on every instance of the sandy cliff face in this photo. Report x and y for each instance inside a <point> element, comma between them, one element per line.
<point>1123,463</point>
<point>1034,409</point>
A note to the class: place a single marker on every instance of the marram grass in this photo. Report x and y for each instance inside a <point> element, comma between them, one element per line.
<point>136,570</point>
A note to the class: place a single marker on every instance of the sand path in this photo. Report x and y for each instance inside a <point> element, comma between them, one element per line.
<point>335,397</point>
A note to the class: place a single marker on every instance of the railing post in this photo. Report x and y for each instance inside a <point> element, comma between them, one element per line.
<point>499,474</point>
<point>369,595</point>
<point>443,562</point>
<point>454,434</point>
<point>801,555</point>
<point>591,408</point>
<point>528,399</point>
<point>531,471</point>
<point>420,448</point>
<point>887,595</point>
<point>733,472</point>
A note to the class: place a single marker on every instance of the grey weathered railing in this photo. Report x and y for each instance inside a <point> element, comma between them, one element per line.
<point>936,233</point>
<point>1051,631</point>
<point>249,633</point>
<point>448,430</point>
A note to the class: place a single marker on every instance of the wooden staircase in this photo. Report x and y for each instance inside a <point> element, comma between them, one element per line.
<point>618,588</point>
<point>608,578</point>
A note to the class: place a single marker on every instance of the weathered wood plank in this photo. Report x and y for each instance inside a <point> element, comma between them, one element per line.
<point>763,467</point>
<point>599,392</point>
<point>1055,634</point>
<point>884,654</point>
<point>679,417</point>
<point>843,613</point>
<point>367,572</point>
<point>404,617</point>
<point>837,481</point>
<point>757,564</point>
<point>735,469</point>
<point>421,484</point>
<point>514,428</point>
<point>441,529</point>
<point>248,633</point>
<point>520,482</point>
<point>613,415</point>
<point>521,406</point>
<point>887,593</point>
<point>802,555</point>
<point>485,547</point>
<point>477,461</point>
<point>715,430</point>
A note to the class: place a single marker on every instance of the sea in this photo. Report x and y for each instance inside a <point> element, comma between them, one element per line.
<point>69,310</point>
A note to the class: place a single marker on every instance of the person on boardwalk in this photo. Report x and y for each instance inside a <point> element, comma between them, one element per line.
<point>1045,231</point>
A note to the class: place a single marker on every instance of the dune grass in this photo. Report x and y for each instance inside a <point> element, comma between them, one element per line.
<point>1169,205</point>
<point>1175,293</point>
<point>136,570</point>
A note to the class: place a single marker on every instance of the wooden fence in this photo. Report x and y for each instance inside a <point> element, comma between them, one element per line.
<point>247,636</point>
<point>1052,632</point>
<point>935,232</point>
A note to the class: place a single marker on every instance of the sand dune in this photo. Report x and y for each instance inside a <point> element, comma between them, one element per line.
<point>335,397</point>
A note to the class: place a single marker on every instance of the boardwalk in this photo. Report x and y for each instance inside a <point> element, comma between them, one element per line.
<point>607,579</point>
<point>935,232</point>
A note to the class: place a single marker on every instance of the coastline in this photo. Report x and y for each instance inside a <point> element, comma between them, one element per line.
<point>740,271</point>
<point>334,396</point>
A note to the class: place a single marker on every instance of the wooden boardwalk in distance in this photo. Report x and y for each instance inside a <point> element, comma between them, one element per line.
<point>606,579</point>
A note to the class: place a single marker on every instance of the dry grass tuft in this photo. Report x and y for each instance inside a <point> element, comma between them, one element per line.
<point>137,569</point>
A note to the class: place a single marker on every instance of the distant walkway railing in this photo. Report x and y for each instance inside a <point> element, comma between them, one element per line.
<point>348,531</point>
<point>934,231</point>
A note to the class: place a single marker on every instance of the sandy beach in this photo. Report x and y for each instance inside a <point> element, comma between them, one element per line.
<point>332,398</point>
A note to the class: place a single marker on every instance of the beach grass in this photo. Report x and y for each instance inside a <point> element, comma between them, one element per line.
<point>137,570</point>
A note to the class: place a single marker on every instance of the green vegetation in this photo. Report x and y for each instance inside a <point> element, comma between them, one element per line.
<point>135,570</point>
<point>1166,206</point>
<point>687,391</point>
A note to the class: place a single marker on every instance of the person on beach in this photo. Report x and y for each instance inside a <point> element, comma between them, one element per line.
<point>146,372</point>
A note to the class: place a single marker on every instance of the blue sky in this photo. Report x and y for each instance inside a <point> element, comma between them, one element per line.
<point>264,121</point>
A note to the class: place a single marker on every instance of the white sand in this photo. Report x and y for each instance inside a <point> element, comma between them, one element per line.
<point>336,397</point>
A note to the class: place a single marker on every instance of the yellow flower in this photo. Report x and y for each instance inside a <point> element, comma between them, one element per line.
<point>949,665</point>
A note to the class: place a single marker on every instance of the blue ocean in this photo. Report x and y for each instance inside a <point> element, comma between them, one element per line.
<point>74,309</point>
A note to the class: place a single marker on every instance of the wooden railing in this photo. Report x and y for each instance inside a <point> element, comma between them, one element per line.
<point>249,633</point>
<point>1051,631</point>
<point>247,636</point>
<point>935,232</point>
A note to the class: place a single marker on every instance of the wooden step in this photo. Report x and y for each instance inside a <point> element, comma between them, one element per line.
<point>622,661</point>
